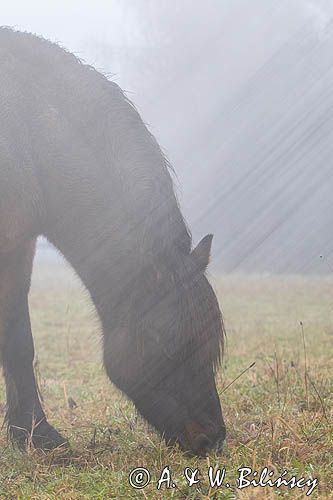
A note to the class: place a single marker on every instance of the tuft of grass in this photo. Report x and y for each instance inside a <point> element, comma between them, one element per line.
<point>278,412</point>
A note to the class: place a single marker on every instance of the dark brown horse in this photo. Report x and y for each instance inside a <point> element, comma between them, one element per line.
<point>78,165</point>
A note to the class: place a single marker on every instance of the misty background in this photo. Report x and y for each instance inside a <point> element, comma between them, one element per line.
<point>239,95</point>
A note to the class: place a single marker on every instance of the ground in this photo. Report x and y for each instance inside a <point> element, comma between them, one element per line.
<point>278,413</point>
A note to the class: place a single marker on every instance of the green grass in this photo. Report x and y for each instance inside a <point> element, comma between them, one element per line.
<point>278,414</point>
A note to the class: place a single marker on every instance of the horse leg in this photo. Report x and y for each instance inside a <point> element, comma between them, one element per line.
<point>25,416</point>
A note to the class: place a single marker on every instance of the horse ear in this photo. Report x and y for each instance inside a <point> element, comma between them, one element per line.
<point>201,253</point>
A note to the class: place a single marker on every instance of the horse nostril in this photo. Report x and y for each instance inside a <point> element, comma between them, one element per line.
<point>201,444</point>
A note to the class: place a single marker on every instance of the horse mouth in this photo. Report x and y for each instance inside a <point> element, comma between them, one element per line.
<point>200,444</point>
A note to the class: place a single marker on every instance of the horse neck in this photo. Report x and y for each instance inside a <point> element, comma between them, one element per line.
<point>105,258</point>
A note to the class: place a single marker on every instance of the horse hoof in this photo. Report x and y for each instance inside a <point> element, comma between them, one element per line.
<point>45,437</point>
<point>42,437</point>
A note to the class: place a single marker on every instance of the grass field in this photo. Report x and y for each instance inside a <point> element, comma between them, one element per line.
<point>278,413</point>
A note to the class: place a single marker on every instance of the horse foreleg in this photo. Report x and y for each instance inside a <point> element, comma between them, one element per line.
<point>25,416</point>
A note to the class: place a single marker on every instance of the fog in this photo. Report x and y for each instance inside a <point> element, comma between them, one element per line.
<point>239,97</point>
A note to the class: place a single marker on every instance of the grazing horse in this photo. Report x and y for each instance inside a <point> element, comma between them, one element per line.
<point>78,165</point>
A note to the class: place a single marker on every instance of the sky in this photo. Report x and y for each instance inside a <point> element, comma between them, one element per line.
<point>218,82</point>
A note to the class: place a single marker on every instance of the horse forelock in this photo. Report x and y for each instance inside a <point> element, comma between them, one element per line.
<point>202,321</point>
